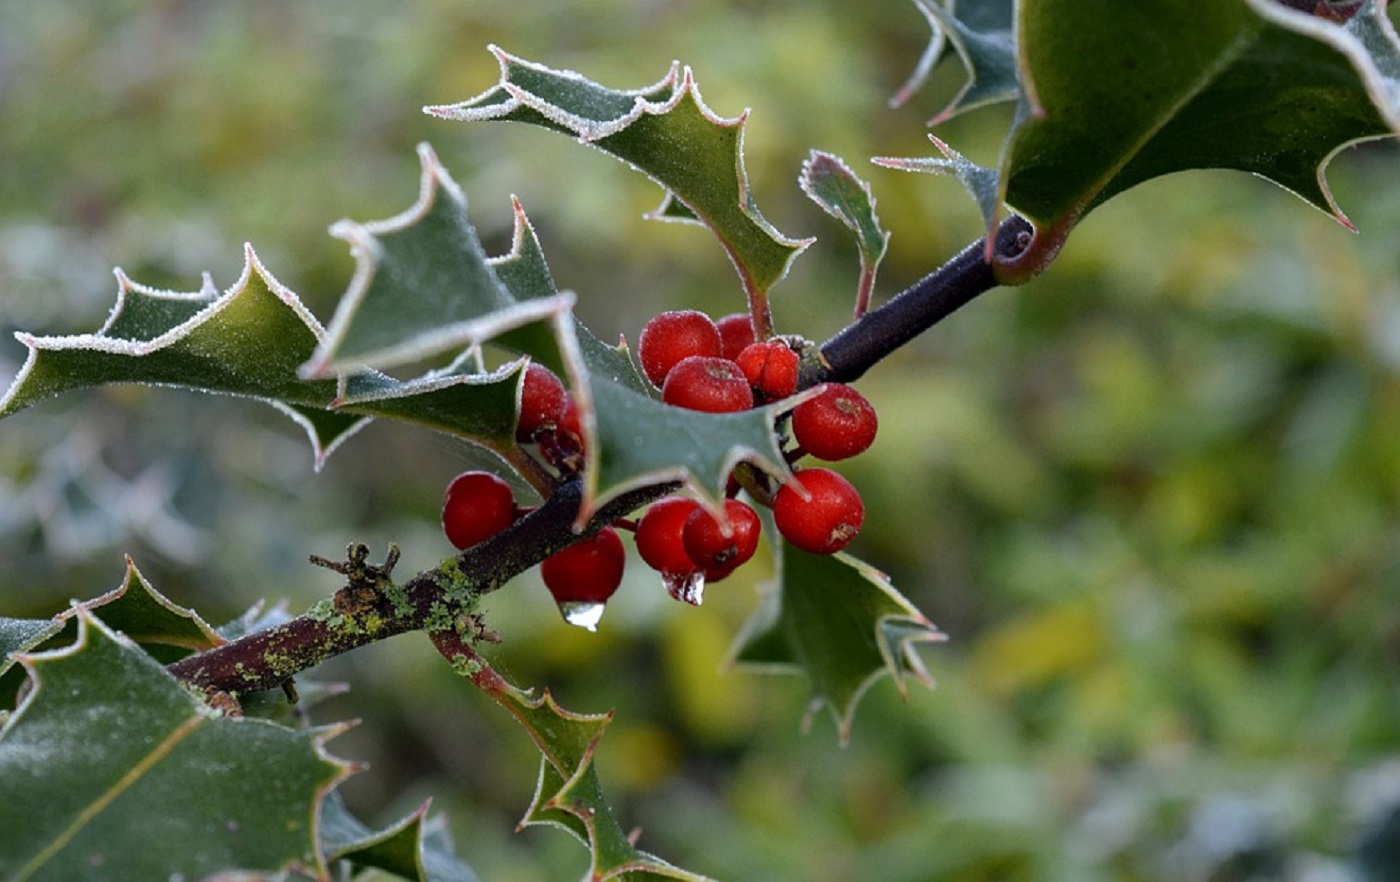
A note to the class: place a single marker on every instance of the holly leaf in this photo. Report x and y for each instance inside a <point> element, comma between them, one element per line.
<point>981,183</point>
<point>830,183</point>
<point>840,622</point>
<point>146,617</point>
<point>1109,101</point>
<point>22,635</point>
<point>666,132</point>
<point>248,341</point>
<point>19,636</point>
<point>415,847</point>
<point>1247,84</point>
<point>112,767</point>
<point>633,439</point>
<point>644,441</point>
<point>406,304</point>
<point>254,339</point>
<point>982,35</point>
<point>567,793</point>
<point>423,285</point>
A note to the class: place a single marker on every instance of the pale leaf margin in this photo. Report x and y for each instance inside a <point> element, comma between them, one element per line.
<point>898,634</point>
<point>620,109</point>
<point>138,347</point>
<point>989,60</point>
<point>980,182</point>
<point>434,183</point>
<point>1369,42</point>
<point>87,624</point>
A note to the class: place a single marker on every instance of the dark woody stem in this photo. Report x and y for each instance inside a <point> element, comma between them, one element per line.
<point>883,330</point>
<point>371,607</point>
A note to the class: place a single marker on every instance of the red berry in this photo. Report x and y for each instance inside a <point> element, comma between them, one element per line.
<point>570,428</point>
<point>562,446</point>
<point>672,336</point>
<point>827,521</point>
<point>543,401</point>
<point>713,576</point>
<point>713,385</point>
<point>713,547</point>
<point>771,369</point>
<point>478,505</point>
<point>837,424</point>
<point>735,333</point>
<point>659,535</point>
<point>588,571</point>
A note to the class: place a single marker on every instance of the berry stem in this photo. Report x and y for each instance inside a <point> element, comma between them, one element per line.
<point>864,289</point>
<point>759,311</point>
<point>881,331</point>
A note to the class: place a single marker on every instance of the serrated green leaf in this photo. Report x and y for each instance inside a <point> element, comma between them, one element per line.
<point>22,635</point>
<point>840,622</point>
<point>254,339</point>
<point>1244,84</point>
<point>664,131</point>
<point>145,616</point>
<point>144,314</point>
<point>578,806</point>
<point>981,33</point>
<point>477,406</point>
<point>567,792</point>
<point>830,183</point>
<point>414,848</point>
<point>981,183</point>
<point>423,285</point>
<point>404,306</point>
<point>248,341</point>
<point>112,767</point>
<point>1109,100</point>
<point>644,441</point>
<point>325,429</point>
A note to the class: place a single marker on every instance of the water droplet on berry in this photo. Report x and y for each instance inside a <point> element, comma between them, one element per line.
<point>582,613</point>
<point>687,587</point>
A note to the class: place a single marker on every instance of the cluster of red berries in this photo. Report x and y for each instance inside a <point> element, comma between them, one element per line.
<point>699,364</point>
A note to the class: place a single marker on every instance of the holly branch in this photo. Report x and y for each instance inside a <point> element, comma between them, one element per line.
<point>372,606</point>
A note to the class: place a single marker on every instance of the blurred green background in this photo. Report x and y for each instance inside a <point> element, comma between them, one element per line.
<point>1153,497</point>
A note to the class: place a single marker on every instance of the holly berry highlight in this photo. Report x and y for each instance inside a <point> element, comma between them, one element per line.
<point>703,365</point>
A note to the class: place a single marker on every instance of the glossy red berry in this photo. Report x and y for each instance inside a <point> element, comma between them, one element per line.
<point>713,576</point>
<point>825,522</point>
<point>735,333</point>
<point>837,424</point>
<point>588,571</point>
<point>771,369</point>
<point>570,426</point>
<point>714,385</point>
<point>478,505</point>
<point>713,546</point>
<point>659,535</point>
<point>673,336</point>
<point>543,401</point>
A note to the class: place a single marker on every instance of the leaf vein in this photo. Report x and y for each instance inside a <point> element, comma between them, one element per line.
<point>124,783</point>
